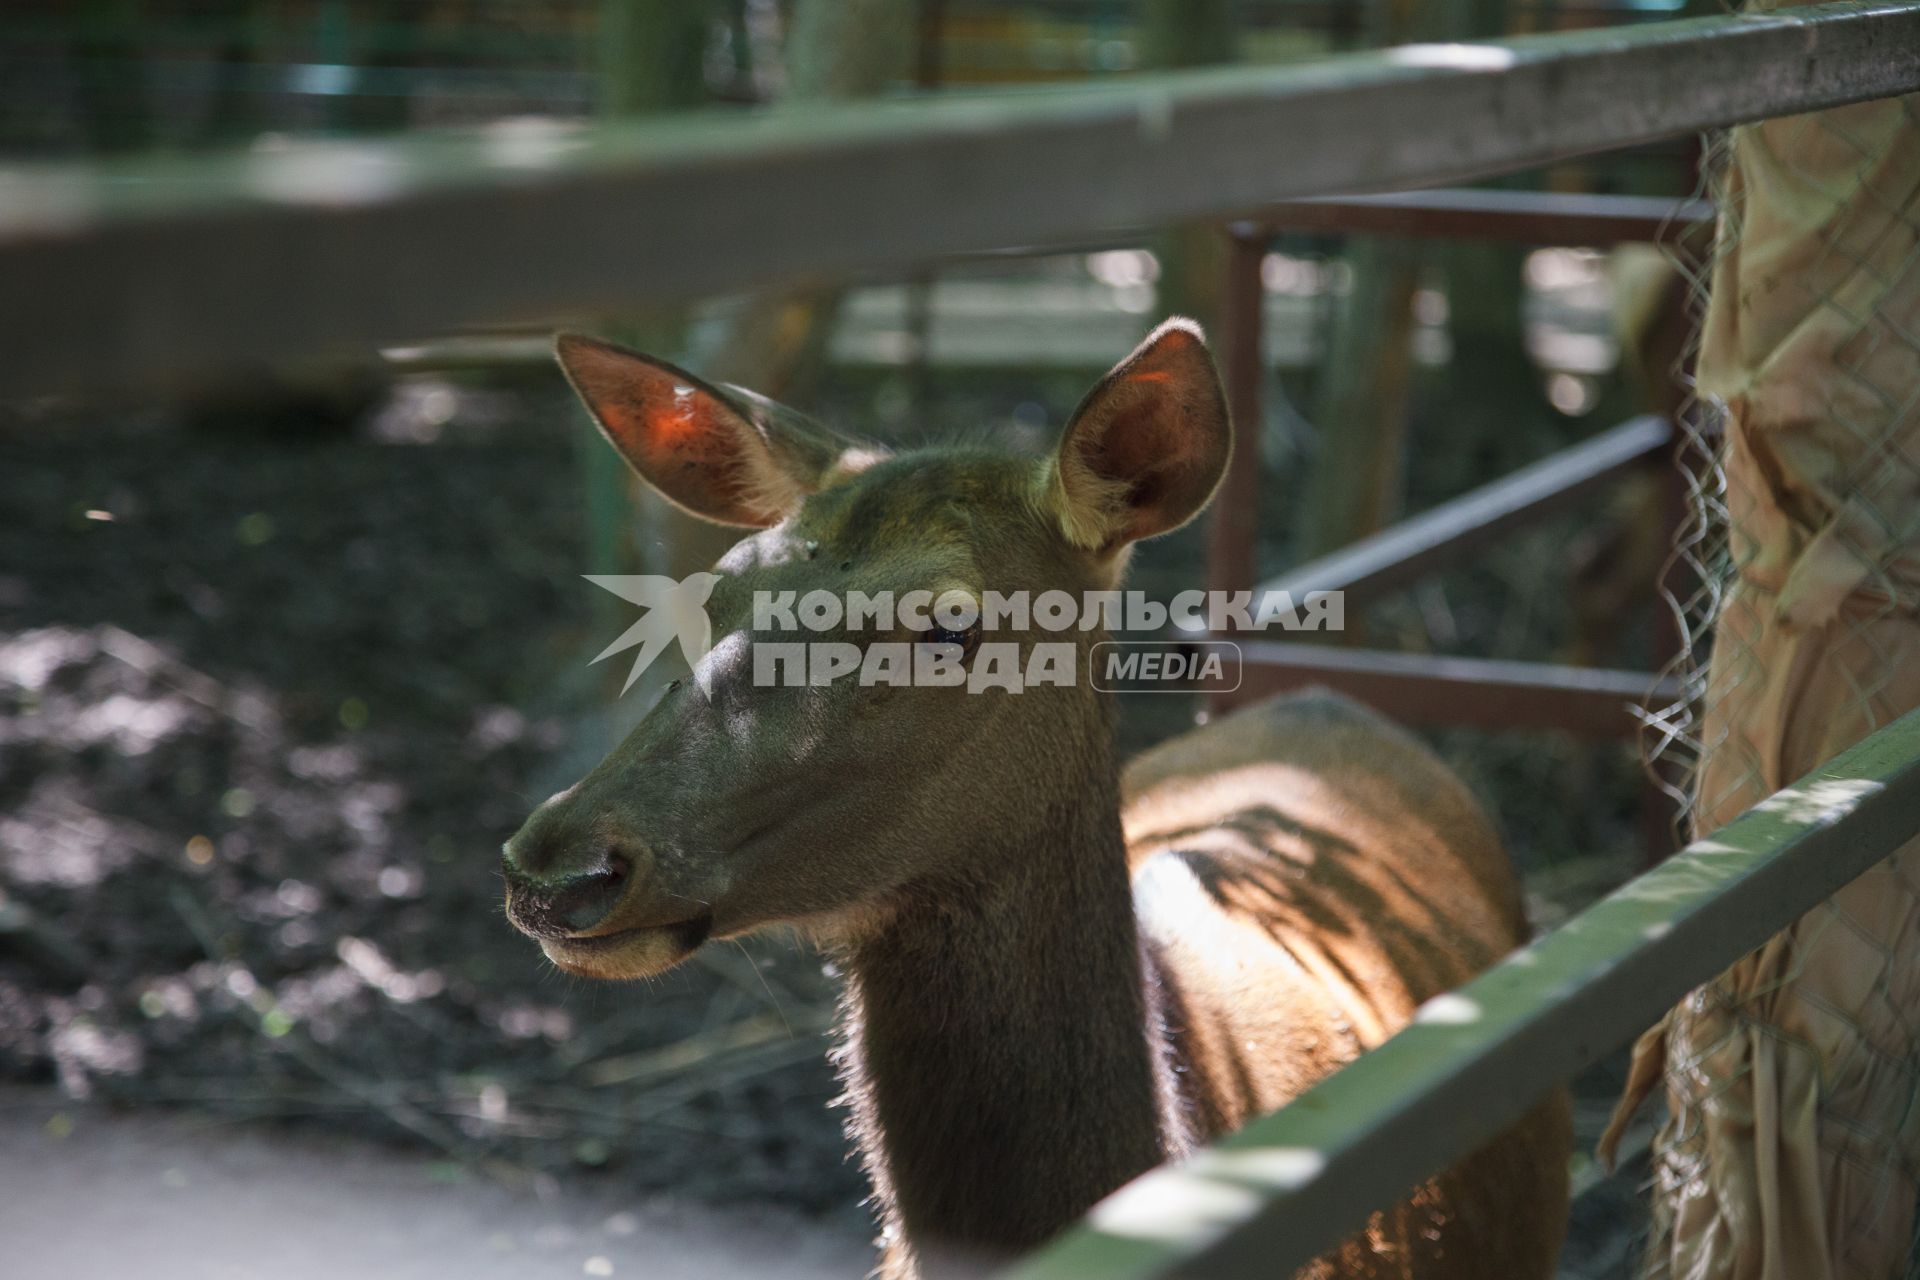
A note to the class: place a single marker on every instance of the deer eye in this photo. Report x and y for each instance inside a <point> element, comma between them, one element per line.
<point>968,640</point>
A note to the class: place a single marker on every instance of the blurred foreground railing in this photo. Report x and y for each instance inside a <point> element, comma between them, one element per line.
<point>159,272</point>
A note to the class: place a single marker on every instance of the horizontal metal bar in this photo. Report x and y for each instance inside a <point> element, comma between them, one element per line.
<point>1431,689</point>
<point>1268,1198</point>
<point>1456,529</point>
<point>534,346</point>
<point>1464,213</point>
<point>1530,217</point>
<point>163,271</point>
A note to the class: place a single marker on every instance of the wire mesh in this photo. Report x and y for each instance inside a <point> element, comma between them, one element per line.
<point>1698,569</point>
<point>1791,1147</point>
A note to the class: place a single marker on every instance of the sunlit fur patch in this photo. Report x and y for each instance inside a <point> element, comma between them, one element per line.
<point>853,462</point>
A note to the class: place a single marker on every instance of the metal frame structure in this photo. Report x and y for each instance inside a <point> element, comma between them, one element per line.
<point>1415,688</point>
<point>139,276</point>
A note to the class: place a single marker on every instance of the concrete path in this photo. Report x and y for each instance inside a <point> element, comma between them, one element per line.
<point>86,1194</point>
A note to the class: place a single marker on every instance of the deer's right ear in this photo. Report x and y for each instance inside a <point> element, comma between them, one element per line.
<point>1147,447</point>
<point>731,458</point>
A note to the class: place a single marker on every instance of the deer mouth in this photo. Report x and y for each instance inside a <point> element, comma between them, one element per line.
<point>638,952</point>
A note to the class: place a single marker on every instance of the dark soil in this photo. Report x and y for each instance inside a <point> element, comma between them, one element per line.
<point>262,731</point>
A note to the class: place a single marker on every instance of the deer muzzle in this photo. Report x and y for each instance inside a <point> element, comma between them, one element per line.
<point>569,906</point>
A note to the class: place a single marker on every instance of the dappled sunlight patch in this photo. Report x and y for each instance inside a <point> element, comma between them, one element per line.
<point>1452,57</point>
<point>496,727</point>
<point>297,898</point>
<point>1451,1009</point>
<point>54,838</point>
<point>1274,1168</point>
<point>1217,1190</point>
<point>1173,1205</point>
<point>321,1002</point>
<point>30,659</point>
<point>372,967</point>
<point>332,762</point>
<point>83,1049</point>
<point>531,142</point>
<point>368,808</point>
<point>130,725</point>
<point>169,997</point>
<point>528,1021</point>
<point>1820,802</point>
<point>329,172</point>
<point>1681,879</point>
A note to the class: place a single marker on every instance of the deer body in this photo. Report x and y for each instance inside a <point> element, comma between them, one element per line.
<point>1309,875</point>
<point>1056,979</point>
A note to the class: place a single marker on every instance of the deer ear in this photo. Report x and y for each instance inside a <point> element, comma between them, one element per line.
<point>1147,447</point>
<point>728,456</point>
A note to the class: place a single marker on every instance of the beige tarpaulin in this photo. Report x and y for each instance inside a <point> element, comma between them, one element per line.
<point>1792,1143</point>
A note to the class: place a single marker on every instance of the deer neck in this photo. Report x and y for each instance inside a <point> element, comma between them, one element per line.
<point>997,1058</point>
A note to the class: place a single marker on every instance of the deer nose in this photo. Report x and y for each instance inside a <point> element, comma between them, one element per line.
<point>570,905</point>
<point>585,900</point>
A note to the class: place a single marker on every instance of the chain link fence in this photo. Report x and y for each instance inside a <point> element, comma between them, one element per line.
<point>1791,1147</point>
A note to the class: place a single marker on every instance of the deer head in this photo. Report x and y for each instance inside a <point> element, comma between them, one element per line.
<point>738,804</point>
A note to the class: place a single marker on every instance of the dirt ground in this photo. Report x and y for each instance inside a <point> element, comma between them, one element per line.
<point>262,731</point>
<point>270,702</point>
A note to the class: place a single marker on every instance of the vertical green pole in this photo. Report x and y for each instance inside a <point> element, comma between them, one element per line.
<point>1178,35</point>
<point>333,44</point>
<point>651,59</point>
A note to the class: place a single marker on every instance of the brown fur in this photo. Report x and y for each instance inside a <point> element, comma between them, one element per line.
<point>1049,990</point>
<point>1307,876</point>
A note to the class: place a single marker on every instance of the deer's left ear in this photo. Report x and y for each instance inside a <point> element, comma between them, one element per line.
<point>725,454</point>
<point>1147,447</point>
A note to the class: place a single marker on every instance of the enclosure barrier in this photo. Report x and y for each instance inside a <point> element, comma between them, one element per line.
<point>1270,1197</point>
<point>1427,689</point>
<point>157,273</point>
<point>134,275</point>
<point>1401,555</point>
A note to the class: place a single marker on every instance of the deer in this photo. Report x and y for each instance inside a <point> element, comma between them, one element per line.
<point>1058,974</point>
